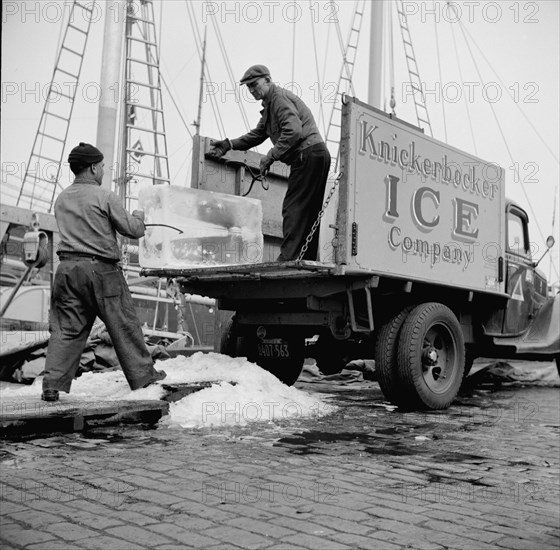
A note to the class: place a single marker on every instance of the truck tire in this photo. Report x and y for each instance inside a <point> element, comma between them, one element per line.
<point>286,369</point>
<point>385,356</point>
<point>330,354</point>
<point>230,342</point>
<point>431,357</point>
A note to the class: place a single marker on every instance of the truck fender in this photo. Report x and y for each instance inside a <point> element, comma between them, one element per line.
<point>543,335</point>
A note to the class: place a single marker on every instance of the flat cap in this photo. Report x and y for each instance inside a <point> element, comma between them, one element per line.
<point>254,73</point>
<point>85,153</point>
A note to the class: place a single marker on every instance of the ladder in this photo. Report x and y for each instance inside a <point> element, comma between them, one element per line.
<point>344,85</point>
<point>416,83</point>
<point>41,179</point>
<point>143,147</point>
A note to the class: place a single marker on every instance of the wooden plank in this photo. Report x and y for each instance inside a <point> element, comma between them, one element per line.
<point>31,411</point>
<point>269,269</point>
<point>24,216</point>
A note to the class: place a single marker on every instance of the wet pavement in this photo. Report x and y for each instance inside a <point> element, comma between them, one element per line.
<point>483,474</point>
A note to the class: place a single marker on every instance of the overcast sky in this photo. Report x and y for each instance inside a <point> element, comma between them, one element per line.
<point>502,82</point>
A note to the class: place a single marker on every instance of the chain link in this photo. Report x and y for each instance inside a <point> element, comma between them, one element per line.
<point>125,261</point>
<point>317,222</point>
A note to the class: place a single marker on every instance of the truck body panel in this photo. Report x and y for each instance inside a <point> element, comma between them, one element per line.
<point>417,208</point>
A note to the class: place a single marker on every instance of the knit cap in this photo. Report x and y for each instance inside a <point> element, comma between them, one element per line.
<point>85,154</point>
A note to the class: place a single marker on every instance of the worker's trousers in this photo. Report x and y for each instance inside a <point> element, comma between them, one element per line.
<point>303,201</point>
<point>82,290</point>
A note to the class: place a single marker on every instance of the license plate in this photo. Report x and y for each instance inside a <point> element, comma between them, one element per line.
<point>275,348</point>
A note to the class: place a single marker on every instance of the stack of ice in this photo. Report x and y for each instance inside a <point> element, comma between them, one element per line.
<point>217,229</point>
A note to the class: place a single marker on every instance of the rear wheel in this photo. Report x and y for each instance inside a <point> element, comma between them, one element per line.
<point>386,357</point>
<point>281,355</point>
<point>431,357</point>
<point>330,354</point>
<point>231,343</point>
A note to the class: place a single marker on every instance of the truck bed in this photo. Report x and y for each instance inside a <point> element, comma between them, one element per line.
<point>268,270</point>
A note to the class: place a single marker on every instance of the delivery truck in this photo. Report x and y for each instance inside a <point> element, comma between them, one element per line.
<point>424,266</point>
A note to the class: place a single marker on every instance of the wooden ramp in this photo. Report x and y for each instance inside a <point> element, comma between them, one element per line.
<point>28,415</point>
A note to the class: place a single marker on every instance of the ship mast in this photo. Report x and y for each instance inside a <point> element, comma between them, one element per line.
<point>111,63</point>
<point>376,55</point>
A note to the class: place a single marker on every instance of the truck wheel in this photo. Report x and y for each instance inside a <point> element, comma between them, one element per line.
<point>330,354</point>
<point>386,357</point>
<point>230,342</point>
<point>431,357</point>
<point>282,357</point>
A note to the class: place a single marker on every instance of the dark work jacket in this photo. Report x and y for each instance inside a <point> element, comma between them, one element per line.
<point>89,216</point>
<point>287,121</point>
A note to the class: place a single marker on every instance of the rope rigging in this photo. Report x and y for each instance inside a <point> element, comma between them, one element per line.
<point>500,129</point>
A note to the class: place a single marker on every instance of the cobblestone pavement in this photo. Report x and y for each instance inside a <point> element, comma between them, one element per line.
<point>484,474</point>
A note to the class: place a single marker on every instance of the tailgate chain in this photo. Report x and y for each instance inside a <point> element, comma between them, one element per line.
<point>317,222</point>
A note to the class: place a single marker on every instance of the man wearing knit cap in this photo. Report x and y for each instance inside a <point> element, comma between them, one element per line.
<point>289,124</point>
<point>88,281</point>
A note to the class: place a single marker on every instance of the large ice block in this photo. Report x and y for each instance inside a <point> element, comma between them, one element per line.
<point>218,229</point>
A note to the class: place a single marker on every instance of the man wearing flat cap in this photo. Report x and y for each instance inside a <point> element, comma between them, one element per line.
<point>88,281</point>
<point>289,124</point>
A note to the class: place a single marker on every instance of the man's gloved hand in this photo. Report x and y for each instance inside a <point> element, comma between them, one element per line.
<point>138,214</point>
<point>266,162</point>
<point>220,148</point>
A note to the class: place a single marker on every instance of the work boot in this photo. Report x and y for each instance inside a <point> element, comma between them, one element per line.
<point>160,375</point>
<point>49,395</point>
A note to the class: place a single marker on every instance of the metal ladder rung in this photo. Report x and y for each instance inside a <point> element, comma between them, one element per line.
<point>79,54</point>
<point>33,200</point>
<point>148,153</point>
<point>70,26</point>
<point>58,116</point>
<point>134,18</point>
<point>154,86</point>
<point>60,94</point>
<point>49,136</point>
<point>142,62</point>
<point>148,176</point>
<point>147,107</point>
<point>85,8</point>
<point>45,158</point>
<point>74,76</point>
<point>43,180</point>
<point>147,42</point>
<point>141,129</point>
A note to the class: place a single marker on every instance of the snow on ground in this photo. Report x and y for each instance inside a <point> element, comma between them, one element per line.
<point>241,392</point>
